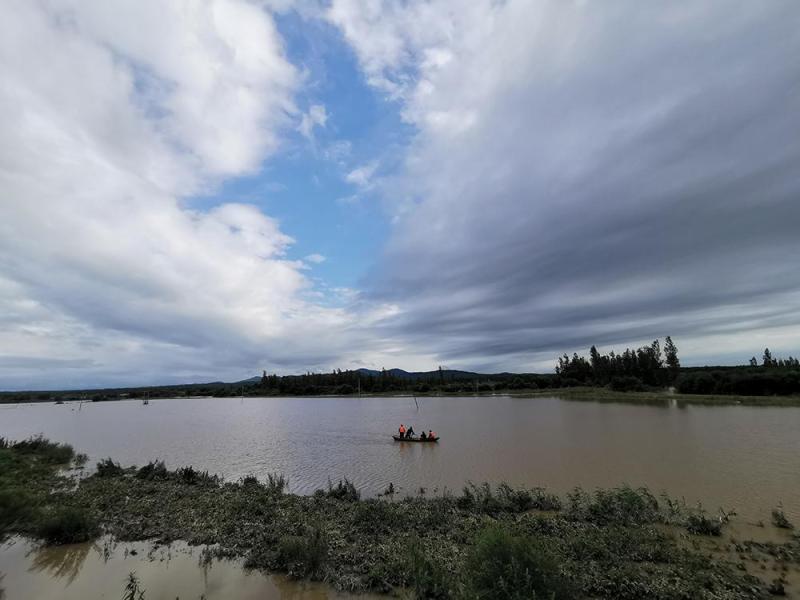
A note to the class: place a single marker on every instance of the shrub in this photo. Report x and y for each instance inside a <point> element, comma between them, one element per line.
<point>502,566</point>
<point>276,483</point>
<point>425,577</point>
<point>67,526</point>
<point>108,468</point>
<point>700,524</point>
<point>303,555</point>
<point>779,519</point>
<point>48,451</point>
<point>249,481</point>
<point>344,490</point>
<point>191,476</point>
<point>627,384</point>
<point>15,506</point>
<point>624,506</point>
<point>153,470</point>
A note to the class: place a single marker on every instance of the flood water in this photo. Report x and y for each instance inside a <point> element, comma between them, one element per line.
<point>100,570</point>
<point>736,457</point>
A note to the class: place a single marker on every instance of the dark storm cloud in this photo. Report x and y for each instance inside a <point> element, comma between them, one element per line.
<point>632,174</point>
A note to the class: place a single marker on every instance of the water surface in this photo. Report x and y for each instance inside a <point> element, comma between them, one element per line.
<point>737,457</point>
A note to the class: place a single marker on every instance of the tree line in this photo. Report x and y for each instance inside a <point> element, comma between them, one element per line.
<point>630,370</point>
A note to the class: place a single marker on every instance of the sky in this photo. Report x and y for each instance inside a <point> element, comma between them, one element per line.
<point>205,189</point>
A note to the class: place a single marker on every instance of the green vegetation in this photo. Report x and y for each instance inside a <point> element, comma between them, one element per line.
<point>502,565</point>
<point>779,519</point>
<point>487,542</point>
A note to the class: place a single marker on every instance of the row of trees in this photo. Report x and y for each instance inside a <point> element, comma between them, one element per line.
<point>648,365</point>
<point>781,363</point>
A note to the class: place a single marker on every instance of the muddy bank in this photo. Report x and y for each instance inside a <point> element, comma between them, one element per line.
<point>620,543</point>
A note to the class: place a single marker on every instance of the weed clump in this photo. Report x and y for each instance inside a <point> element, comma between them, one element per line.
<point>51,452</point>
<point>700,524</point>
<point>67,526</point>
<point>482,499</point>
<point>276,483</point>
<point>191,476</point>
<point>779,519</point>
<point>512,567</point>
<point>303,555</point>
<point>15,506</point>
<point>426,577</point>
<point>152,471</point>
<point>108,468</point>
<point>621,506</point>
<point>344,490</point>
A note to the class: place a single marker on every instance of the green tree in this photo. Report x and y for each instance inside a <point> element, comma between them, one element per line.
<point>768,360</point>
<point>671,354</point>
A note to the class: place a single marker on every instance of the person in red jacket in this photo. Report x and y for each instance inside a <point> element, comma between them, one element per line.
<point>402,431</point>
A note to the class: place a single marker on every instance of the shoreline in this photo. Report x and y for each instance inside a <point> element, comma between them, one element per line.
<point>605,543</point>
<point>587,393</point>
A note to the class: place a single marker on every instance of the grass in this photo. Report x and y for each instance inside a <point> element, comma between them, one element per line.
<point>68,525</point>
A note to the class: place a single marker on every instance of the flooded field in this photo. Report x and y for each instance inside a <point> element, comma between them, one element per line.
<point>741,458</point>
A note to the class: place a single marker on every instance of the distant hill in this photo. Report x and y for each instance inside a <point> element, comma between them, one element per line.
<point>446,374</point>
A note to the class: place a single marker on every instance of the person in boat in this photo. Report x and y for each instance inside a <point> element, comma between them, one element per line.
<point>410,432</point>
<point>402,431</point>
<point>423,435</point>
<point>431,435</point>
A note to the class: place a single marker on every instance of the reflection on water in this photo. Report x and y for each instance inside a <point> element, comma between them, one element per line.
<point>60,561</point>
<point>101,570</point>
<point>738,457</point>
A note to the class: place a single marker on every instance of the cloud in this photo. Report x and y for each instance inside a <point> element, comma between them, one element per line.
<point>114,115</point>
<point>316,258</point>
<point>362,176</point>
<point>315,117</point>
<point>585,174</point>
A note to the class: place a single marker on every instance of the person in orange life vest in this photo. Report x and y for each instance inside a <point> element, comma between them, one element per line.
<point>402,431</point>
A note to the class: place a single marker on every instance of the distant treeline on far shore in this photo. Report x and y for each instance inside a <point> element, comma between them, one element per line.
<point>649,368</point>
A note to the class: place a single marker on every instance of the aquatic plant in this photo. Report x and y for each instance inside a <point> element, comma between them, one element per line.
<point>779,519</point>
<point>249,481</point>
<point>513,567</point>
<point>344,490</point>
<point>45,450</point>
<point>701,524</point>
<point>191,476</point>
<point>425,576</point>
<point>15,506</point>
<point>133,589</point>
<point>68,525</point>
<point>623,505</point>
<point>108,468</point>
<point>276,483</point>
<point>303,555</point>
<point>153,470</point>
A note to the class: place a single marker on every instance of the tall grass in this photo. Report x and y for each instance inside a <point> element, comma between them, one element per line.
<point>502,566</point>
<point>44,449</point>
<point>67,526</point>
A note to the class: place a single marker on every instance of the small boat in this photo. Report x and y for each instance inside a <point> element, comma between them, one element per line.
<point>397,438</point>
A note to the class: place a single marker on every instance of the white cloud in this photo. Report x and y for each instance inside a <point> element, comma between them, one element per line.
<point>315,117</point>
<point>113,114</point>
<point>362,176</point>
<point>316,258</point>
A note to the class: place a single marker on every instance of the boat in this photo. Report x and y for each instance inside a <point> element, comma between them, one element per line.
<point>397,438</point>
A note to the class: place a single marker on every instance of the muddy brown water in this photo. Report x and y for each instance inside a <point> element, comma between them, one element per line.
<point>736,457</point>
<point>100,570</point>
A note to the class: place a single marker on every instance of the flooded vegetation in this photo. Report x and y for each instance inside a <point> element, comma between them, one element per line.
<point>607,543</point>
